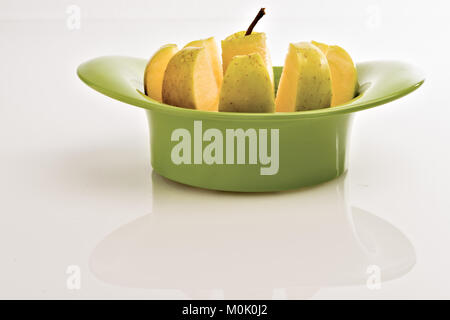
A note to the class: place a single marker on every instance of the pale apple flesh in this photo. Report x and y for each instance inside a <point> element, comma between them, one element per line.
<point>240,44</point>
<point>214,57</point>
<point>189,80</point>
<point>344,76</point>
<point>247,86</point>
<point>305,82</point>
<point>154,71</point>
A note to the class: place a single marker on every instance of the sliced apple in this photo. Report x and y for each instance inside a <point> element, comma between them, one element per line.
<point>189,80</point>
<point>305,82</point>
<point>247,86</point>
<point>154,71</point>
<point>344,77</point>
<point>241,44</point>
<point>214,56</point>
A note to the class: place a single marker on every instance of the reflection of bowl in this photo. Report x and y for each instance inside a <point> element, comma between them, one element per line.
<point>250,245</point>
<point>312,144</point>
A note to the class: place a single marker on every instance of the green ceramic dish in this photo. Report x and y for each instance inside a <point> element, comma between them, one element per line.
<point>312,145</point>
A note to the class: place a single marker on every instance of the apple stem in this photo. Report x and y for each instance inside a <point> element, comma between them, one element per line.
<point>260,14</point>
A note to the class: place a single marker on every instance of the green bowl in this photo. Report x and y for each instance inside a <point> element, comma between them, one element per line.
<point>311,146</point>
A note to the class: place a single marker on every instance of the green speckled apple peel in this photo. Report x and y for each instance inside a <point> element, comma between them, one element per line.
<point>313,145</point>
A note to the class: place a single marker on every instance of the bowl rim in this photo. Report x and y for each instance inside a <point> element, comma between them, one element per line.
<point>90,73</point>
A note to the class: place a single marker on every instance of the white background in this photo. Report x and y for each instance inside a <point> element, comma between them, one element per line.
<point>74,165</point>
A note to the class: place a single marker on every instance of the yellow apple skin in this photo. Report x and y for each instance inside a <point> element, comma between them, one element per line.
<point>305,82</point>
<point>214,56</point>
<point>344,76</point>
<point>247,86</point>
<point>154,71</point>
<point>189,80</point>
<point>240,44</point>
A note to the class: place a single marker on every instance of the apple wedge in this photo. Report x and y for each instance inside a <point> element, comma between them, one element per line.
<point>344,77</point>
<point>189,80</point>
<point>247,86</point>
<point>214,56</point>
<point>154,71</point>
<point>305,82</point>
<point>241,44</point>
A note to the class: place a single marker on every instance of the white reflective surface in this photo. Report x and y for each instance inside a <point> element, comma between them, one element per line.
<point>197,240</point>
